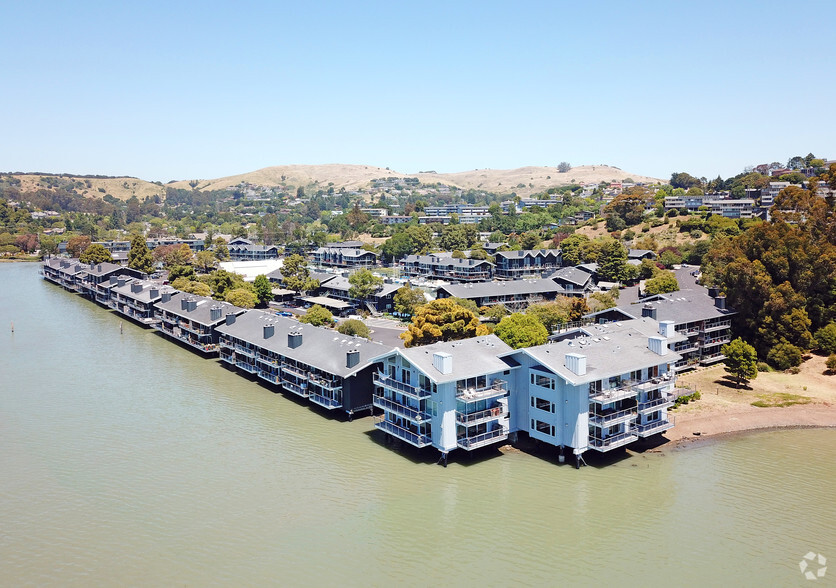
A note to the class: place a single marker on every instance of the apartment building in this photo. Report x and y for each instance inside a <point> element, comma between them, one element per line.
<point>512,265</point>
<point>443,267</point>
<point>347,257</point>
<point>192,320</point>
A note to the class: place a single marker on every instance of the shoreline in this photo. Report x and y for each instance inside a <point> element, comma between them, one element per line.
<point>721,425</point>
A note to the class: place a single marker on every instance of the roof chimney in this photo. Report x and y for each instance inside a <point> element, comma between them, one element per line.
<point>114,280</point>
<point>120,281</point>
<point>648,310</point>
<point>136,287</point>
<point>294,339</point>
<point>713,291</point>
<point>658,345</point>
<point>666,329</point>
<point>443,362</point>
<point>184,303</point>
<point>576,363</point>
<point>230,318</point>
<point>352,358</point>
<point>720,302</point>
<point>191,304</point>
<point>215,313</point>
<point>153,293</point>
<point>166,297</point>
<point>269,330</point>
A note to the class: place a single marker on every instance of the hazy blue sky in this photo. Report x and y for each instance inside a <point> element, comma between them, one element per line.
<point>170,90</point>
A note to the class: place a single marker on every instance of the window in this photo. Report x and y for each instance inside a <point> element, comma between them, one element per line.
<point>542,427</point>
<point>542,381</point>
<point>542,404</point>
<point>636,375</point>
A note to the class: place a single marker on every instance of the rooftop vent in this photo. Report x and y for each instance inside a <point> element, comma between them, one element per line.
<point>648,310</point>
<point>166,297</point>
<point>352,358</point>
<point>294,339</point>
<point>666,328</point>
<point>230,318</point>
<point>136,287</point>
<point>720,302</point>
<point>443,362</point>
<point>268,331</point>
<point>657,345</point>
<point>214,313</point>
<point>576,363</point>
<point>153,293</point>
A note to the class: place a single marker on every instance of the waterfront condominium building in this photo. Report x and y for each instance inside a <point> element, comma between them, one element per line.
<point>445,395</point>
<point>137,299</point>
<point>598,387</point>
<point>348,257</point>
<point>699,314</point>
<point>192,319</point>
<point>514,295</point>
<point>329,369</point>
<point>511,265</point>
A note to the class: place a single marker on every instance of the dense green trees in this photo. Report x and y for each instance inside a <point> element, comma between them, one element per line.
<point>661,283</point>
<point>77,245</point>
<point>521,330</point>
<point>318,316</point>
<point>354,327</point>
<point>295,274</point>
<point>826,338</point>
<point>741,360</point>
<point>241,297</point>
<point>363,284</point>
<point>95,253</point>
<point>407,299</point>
<point>262,289</point>
<point>442,320</point>
<point>139,258</point>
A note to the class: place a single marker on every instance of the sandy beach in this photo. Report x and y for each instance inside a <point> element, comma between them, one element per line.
<point>724,409</point>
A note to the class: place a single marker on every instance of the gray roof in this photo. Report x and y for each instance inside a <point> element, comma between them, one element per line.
<point>497,288</point>
<point>573,275</point>
<point>201,314</point>
<point>344,244</point>
<point>321,348</point>
<point>345,251</point>
<point>682,306</point>
<point>614,350</point>
<point>143,295</point>
<point>528,253</point>
<point>441,259</point>
<point>471,357</point>
<point>639,253</point>
<point>103,269</point>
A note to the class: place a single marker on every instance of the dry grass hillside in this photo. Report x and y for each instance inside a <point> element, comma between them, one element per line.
<point>524,181</point>
<point>121,188</point>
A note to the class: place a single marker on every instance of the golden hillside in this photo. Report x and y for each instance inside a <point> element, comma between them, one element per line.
<point>350,177</point>
<point>121,188</point>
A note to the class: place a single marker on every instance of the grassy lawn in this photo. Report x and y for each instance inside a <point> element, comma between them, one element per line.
<point>812,384</point>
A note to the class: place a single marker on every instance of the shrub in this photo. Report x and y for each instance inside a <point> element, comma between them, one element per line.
<point>764,367</point>
<point>354,327</point>
<point>826,338</point>
<point>784,356</point>
<point>831,363</point>
<point>696,234</point>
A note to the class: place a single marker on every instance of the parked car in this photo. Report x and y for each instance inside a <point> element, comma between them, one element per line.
<point>284,313</point>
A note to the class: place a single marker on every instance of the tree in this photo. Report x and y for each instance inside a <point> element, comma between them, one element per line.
<point>826,338</point>
<point>664,281</point>
<point>521,330</point>
<point>205,261</point>
<point>318,316</point>
<point>442,320</point>
<point>181,271</point>
<point>684,181</point>
<point>629,206</point>
<point>77,245</point>
<point>96,253</point>
<point>531,240</point>
<point>139,258</point>
<point>221,250</point>
<point>612,258</point>
<point>191,287</point>
<point>363,284</point>
<point>574,248</point>
<point>355,328</point>
<point>407,299</point>
<point>551,314</point>
<point>241,297</point>
<point>563,167</point>
<point>741,360</point>
<point>577,308</point>
<point>295,274</point>
<point>494,313</point>
<point>784,356</point>
<point>263,290</point>
<point>831,363</point>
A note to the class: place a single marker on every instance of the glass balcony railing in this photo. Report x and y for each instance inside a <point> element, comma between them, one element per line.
<point>298,389</point>
<point>612,441</point>
<point>483,439</point>
<point>388,382</point>
<point>326,401</point>
<point>416,439</point>
<point>413,414</point>
<point>654,427</point>
<point>655,403</point>
<point>471,418</point>
<point>295,370</point>
<point>497,388</point>
<point>612,418</point>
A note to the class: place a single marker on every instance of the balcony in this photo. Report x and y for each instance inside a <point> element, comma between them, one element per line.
<point>712,358</point>
<point>407,412</point>
<point>624,391</point>
<point>612,418</point>
<point>717,326</point>
<point>240,349</point>
<point>266,360</point>
<point>613,441</point>
<point>497,388</point>
<point>295,370</point>
<point>416,439</point>
<point>332,384</point>
<point>298,389</point>
<point>247,367</point>
<point>477,441</point>
<point>326,401</point>
<point>651,428</point>
<point>391,383</point>
<point>474,418</point>
<point>652,385</point>
<point>656,403</point>
<point>269,377</point>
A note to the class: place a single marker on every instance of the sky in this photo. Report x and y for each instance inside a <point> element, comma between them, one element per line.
<point>179,90</point>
